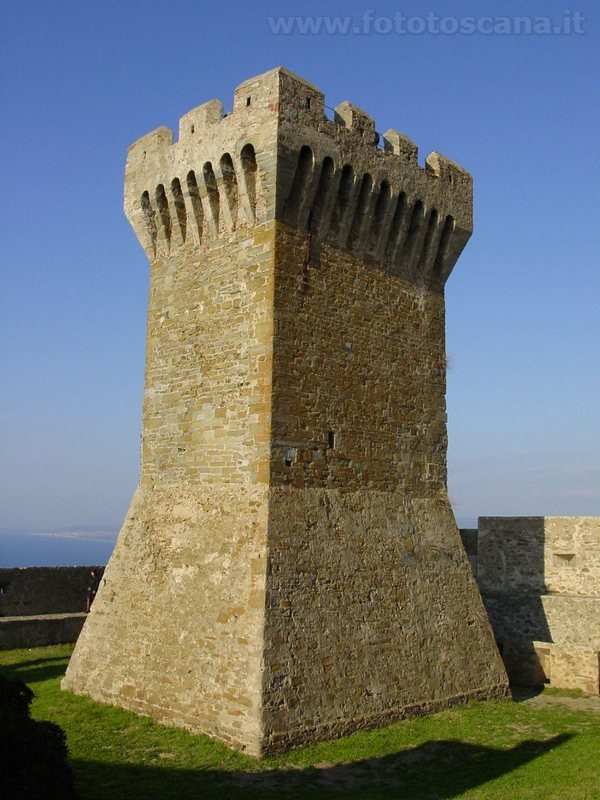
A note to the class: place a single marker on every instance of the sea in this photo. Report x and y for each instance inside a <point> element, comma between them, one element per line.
<point>69,548</point>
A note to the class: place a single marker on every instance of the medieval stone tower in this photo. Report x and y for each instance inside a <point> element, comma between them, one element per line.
<point>290,568</point>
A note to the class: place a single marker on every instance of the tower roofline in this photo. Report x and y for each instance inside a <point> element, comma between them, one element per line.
<point>280,71</point>
<point>339,178</point>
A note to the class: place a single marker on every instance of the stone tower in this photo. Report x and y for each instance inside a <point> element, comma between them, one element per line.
<point>290,568</point>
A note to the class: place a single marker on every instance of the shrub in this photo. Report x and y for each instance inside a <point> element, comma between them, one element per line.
<point>33,754</point>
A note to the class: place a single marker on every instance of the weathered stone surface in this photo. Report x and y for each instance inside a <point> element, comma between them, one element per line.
<point>290,568</point>
<point>540,581</point>
<point>40,630</point>
<point>469,539</point>
<point>539,554</point>
<point>44,590</point>
<point>40,606</point>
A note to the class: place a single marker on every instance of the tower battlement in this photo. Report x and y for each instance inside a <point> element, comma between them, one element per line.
<point>277,156</point>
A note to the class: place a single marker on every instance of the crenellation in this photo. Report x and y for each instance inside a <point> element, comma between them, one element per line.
<point>449,171</point>
<point>283,92</point>
<point>358,183</point>
<point>146,150</point>
<point>198,123</point>
<point>356,120</point>
<point>400,145</point>
<point>328,180</point>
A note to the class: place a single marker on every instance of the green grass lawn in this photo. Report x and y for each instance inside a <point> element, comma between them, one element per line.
<point>546,750</point>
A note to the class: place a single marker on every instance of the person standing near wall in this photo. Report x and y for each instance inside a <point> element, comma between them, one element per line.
<point>92,588</point>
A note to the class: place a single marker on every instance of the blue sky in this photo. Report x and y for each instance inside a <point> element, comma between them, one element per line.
<point>80,81</point>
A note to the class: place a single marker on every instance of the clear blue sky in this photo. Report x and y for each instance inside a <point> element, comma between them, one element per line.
<point>81,80</point>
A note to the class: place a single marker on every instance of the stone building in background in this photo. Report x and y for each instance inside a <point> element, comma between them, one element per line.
<point>290,568</point>
<point>540,582</point>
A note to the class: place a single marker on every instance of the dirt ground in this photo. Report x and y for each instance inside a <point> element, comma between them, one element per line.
<point>547,700</point>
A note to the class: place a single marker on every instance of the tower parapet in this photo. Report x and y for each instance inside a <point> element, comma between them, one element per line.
<point>277,156</point>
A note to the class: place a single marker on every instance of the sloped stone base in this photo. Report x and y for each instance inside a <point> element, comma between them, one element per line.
<point>356,609</point>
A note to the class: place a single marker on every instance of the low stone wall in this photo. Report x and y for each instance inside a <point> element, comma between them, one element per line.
<point>469,540</point>
<point>538,663</point>
<point>39,631</point>
<point>26,591</point>
<point>42,605</point>
<point>572,621</point>
<point>540,582</point>
<point>542,555</point>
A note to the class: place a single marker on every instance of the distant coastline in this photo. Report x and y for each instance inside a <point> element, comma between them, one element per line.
<point>56,547</point>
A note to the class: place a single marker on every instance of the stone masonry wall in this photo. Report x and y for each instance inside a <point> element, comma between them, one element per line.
<point>540,582</point>
<point>42,605</point>
<point>366,567</point>
<point>26,591</point>
<point>290,568</point>
<point>182,602</point>
<point>539,554</point>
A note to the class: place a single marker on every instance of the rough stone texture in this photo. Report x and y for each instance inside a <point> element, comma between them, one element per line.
<point>290,568</point>
<point>569,667</point>
<point>540,581</point>
<point>469,539</point>
<point>42,605</point>
<point>44,590</point>
<point>40,631</point>
<point>557,555</point>
<point>531,663</point>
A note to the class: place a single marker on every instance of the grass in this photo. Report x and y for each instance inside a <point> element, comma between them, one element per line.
<point>488,751</point>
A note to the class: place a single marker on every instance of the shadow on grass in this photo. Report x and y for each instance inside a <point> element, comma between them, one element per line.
<point>40,669</point>
<point>433,771</point>
<point>521,693</point>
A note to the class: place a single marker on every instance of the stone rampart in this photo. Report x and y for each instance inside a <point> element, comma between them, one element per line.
<point>540,582</point>
<point>42,605</point>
